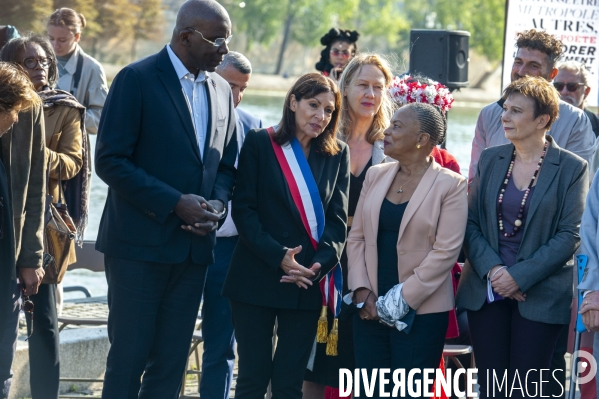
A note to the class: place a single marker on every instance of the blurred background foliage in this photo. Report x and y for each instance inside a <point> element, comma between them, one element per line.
<point>280,33</point>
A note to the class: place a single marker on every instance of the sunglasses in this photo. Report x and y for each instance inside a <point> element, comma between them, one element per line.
<point>340,53</point>
<point>27,306</point>
<point>572,86</point>
<point>217,42</point>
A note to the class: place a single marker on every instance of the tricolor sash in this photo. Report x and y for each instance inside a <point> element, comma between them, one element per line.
<point>306,197</point>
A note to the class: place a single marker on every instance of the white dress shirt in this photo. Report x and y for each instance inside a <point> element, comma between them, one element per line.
<point>194,91</point>
<point>228,228</point>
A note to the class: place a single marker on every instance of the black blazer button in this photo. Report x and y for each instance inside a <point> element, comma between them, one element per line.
<point>285,234</point>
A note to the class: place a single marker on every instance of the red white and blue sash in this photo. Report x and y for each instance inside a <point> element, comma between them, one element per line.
<point>306,197</point>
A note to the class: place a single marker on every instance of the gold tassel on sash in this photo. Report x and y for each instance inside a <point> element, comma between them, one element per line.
<point>321,333</point>
<point>333,339</point>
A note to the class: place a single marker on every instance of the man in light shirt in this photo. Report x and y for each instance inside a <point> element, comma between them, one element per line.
<point>537,55</point>
<point>218,358</point>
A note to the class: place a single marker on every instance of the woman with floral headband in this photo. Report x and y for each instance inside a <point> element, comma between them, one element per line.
<point>340,48</point>
<point>420,89</point>
<point>365,112</point>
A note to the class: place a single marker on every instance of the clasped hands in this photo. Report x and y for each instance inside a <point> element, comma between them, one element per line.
<point>368,310</point>
<point>590,311</point>
<point>505,285</point>
<point>296,273</point>
<point>201,216</point>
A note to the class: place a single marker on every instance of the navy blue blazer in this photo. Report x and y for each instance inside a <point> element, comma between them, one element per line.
<point>147,154</point>
<point>247,121</point>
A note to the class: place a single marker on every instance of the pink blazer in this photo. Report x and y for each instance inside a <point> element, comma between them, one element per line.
<point>430,236</point>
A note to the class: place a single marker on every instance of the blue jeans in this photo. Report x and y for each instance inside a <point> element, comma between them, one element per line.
<point>217,326</point>
<point>8,342</point>
<point>153,309</point>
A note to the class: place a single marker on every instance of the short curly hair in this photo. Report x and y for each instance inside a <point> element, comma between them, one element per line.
<point>16,89</point>
<point>544,95</point>
<point>335,35</point>
<point>542,41</point>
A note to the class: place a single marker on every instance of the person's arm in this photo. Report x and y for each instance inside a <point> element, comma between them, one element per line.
<point>120,128</point>
<point>556,252</point>
<point>32,242</point>
<point>333,237</point>
<point>581,140</point>
<point>434,269</point>
<point>96,97</point>
<point>478,146</point>
<point>480,254</point>
<point>245,206</point>
<point>588,238</point>
<point>357,273</point>
<point>69,151</point>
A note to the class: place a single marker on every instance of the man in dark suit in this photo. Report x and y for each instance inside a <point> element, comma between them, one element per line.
<point>166,148</point>
<point>218,358</point>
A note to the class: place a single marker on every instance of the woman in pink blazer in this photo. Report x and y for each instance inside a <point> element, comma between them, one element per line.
<point>408,228</point>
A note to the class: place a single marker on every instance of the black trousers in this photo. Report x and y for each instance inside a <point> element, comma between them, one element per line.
<point>296,332</point>
<point>504,342</point>
<point>153,310</point>
<point>44,359</point>
<point>377,346</point>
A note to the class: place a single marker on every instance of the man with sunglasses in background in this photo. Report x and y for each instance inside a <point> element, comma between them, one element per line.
<point>537,55</point>
<point>572,82</point>
<point>166,148</point>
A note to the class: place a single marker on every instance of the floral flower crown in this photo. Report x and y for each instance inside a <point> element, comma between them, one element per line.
<point>406,89</point>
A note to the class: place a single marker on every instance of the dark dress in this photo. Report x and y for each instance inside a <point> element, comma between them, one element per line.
<point>326,368</point>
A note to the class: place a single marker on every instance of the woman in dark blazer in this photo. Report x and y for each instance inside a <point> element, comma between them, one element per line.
<point>525,207</point>
<point>275,269</point>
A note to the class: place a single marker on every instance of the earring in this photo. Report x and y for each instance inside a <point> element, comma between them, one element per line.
<point>417,145</point>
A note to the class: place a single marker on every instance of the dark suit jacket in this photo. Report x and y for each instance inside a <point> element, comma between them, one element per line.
<point>24,155</point>
<point>7,249</point>
<point>148,155</point>
<point>269,223</point>
<point>551,233</point>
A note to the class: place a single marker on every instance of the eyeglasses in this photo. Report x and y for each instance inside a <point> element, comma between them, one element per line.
<point>571,86</point>
<point>218,42</point>
<point>340,53</point>
<point>31,63</point>
<point>27,306</point>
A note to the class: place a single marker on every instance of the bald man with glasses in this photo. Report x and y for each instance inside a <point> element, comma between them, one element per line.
<point>166,149</point>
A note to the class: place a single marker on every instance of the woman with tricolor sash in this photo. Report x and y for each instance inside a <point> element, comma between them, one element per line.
<point>290,208</point>
<point>406,236</point>
<point>365,114</point>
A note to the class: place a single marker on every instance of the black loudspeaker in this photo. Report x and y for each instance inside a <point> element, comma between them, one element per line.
<point>441,55</point>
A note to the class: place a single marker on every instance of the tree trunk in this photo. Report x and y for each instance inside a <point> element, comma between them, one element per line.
<point>286,34</point>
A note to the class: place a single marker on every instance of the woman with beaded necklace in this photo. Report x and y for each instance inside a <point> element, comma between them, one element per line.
<point>525,207</point>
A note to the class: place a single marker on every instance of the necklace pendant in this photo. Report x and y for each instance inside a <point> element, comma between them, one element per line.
<point>400,190</point>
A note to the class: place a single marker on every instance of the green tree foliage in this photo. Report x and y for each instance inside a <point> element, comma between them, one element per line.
<point>484,19</point>
<point>26,15</point>
<point>107,20</point>
<point>384,24</point>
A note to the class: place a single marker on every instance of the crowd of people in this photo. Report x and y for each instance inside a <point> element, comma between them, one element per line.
<point>340,228</point>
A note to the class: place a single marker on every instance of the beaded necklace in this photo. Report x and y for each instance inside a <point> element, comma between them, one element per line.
<point>518,223</point>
